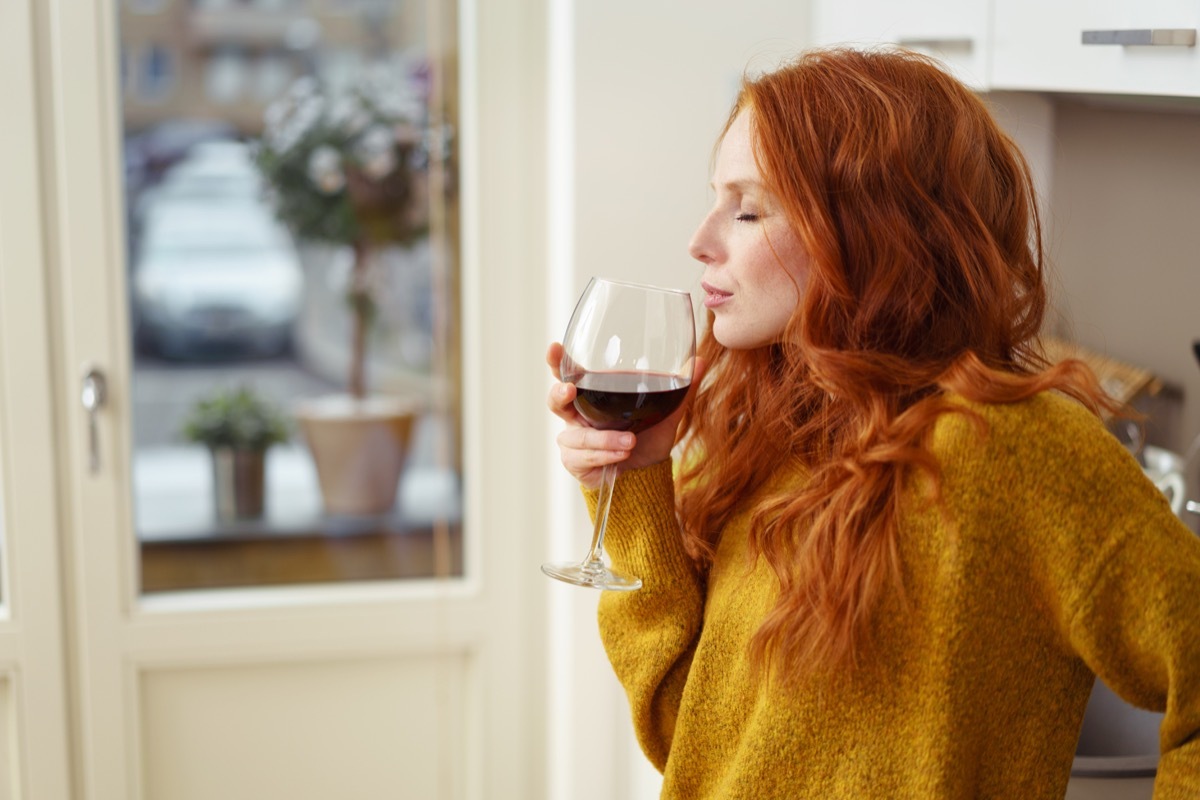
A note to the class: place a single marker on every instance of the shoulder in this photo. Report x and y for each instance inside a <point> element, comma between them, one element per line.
<point>1045,421</point>
<point>1049,435</point>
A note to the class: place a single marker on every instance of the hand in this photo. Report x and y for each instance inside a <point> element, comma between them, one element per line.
<point>586,450</point>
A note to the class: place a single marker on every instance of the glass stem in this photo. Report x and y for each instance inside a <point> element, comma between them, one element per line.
<point>595,559</point>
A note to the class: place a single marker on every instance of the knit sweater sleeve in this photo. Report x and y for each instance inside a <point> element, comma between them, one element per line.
<point>650,634</point>
<point>1137,625</point>
<point>1138,628</point>
<point>1123,573</point>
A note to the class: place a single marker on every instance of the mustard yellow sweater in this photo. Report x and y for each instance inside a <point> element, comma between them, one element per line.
<point>1062,562</point>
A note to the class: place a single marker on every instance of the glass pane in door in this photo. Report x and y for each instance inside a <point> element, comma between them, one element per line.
<point>292,229</point>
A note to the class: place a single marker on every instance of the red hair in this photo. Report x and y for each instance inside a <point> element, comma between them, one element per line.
<point>925,277</point>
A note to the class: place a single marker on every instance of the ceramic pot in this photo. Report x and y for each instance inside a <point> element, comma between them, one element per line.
<point>238,478</point>
<point>359,448</point>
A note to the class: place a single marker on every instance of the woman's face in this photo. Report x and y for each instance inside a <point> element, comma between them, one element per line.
<point>754,264</point>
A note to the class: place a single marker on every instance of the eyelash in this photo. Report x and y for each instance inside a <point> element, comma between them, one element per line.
<point>747,217</point>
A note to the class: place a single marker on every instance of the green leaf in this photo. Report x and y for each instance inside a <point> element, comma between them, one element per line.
<point>237,418</point>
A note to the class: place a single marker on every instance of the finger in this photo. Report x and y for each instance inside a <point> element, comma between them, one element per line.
<point>561,401</point>
<point>592,439</point>
<point>579,462</point>
<point>554,355</point>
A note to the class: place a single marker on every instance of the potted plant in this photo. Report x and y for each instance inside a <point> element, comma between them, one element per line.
<point>238,427</point>
<point>348,167</point>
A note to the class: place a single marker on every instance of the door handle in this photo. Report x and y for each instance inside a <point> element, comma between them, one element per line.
<point>93,396</point>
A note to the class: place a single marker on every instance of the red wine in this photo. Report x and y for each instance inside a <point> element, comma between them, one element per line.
<point>627,401</point>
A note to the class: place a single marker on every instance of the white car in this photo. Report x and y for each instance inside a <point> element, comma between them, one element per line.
<point>218,170</point>
<point>215,276</point>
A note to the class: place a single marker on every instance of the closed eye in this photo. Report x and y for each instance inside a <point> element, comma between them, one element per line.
<point>747,217</point>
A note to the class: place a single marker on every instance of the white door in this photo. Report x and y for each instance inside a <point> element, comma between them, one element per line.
<point>421,685</point>
<point>34,757</point>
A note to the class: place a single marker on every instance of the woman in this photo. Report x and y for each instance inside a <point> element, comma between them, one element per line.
<point>899,545</point>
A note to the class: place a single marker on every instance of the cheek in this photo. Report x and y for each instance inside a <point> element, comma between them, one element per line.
<point>795,259</point>
<point>780,306</point>
<point>782,290</point>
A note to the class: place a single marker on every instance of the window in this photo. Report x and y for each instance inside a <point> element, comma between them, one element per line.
<point>272,74</point>
<point>156,73</point>
<point>226,74</point>
<point>236,314</point>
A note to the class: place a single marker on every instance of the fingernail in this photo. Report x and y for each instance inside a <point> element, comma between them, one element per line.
<point>627,440</point>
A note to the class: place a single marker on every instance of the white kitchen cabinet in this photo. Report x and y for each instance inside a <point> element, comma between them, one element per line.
<point>956,33</point>
<point>1039,46</point>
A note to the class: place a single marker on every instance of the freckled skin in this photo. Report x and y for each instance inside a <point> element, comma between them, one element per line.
<point>748,249</point>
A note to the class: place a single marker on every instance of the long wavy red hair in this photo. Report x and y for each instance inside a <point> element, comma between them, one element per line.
<point>925,278</point>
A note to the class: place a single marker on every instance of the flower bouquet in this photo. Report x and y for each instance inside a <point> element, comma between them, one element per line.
<point>349,165</point>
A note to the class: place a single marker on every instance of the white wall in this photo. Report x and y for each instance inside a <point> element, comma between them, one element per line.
<point>1120,180</point>
<point>644,88</point>
<point>1126,228</point>
<point>654,84</point>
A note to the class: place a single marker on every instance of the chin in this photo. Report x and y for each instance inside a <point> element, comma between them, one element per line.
<point>739,340</point>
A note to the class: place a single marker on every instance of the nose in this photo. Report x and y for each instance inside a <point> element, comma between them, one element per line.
<point>702,245</point>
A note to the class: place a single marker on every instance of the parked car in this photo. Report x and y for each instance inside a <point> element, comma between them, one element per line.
<point>157,149</point>
<point>153,153</point>
<point>215,170</point>
<point>215,277</point>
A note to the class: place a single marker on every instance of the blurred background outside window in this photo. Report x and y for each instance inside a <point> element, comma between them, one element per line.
<point>244,315</point>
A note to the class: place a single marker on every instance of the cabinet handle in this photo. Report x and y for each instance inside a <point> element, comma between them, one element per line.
<point>947,42</point>
<point>1153,37</point>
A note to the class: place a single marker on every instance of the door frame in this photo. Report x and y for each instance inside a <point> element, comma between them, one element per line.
<point>493,617</point>
<point>35,757</point>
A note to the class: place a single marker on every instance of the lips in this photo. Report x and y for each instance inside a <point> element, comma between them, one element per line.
<point>713,296</point>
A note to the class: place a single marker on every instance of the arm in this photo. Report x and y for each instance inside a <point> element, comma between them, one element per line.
<point>1119,573</point>
<point>1138,628</point>
<point>1127,573</point>
<point>650,634</point>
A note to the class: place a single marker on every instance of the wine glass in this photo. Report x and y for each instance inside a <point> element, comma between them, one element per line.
<point>629,349</point>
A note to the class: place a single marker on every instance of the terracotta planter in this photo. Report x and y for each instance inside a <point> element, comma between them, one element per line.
<point>359,448</point>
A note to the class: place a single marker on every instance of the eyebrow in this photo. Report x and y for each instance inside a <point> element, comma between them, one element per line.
<point>744,186</point>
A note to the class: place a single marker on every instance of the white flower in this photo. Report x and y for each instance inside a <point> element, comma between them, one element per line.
<point>325,169</point>
<point>304,87</point>
<point>379,166</point>
<point>401,105</point>
<point>376,152</point>
<point>348,114</point>
<point>277,113</point>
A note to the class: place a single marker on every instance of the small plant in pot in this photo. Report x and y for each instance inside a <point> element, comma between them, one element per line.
<point>238,426</point>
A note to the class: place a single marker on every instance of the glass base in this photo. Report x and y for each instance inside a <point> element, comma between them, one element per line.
<point>593,577</point>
